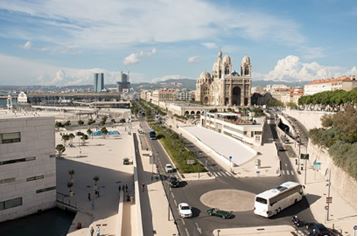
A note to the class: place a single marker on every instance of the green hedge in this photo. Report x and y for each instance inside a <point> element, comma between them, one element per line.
<point>175,147</point>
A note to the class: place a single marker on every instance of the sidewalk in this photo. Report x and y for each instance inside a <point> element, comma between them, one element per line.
<point>158,202</point>
<point>277,230</point>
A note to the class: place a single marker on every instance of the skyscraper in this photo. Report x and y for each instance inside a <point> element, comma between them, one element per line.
<point>98,82</point>
<point>124,84</point>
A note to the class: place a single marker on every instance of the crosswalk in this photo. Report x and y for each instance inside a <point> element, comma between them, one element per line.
<point>221,174</point>
<point>287,172</point>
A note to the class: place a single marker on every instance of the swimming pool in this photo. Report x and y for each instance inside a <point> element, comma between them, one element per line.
<point>111,132</point>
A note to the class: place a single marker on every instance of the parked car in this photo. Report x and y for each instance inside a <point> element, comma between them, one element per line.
<point>169,168</point>
<point>185,210</point>
<point>126,161</point>
<point>316,229</point>
<point>220,213</point>
<point>174,182</point>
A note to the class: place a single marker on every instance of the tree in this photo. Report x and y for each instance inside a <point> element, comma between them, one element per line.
<point>80,122</point>
<point>70,191</point>
<point>113,121</point>
<point>60,149</point>
<point>71,137</point>
<point>67,123</point>
<point>89,132</point>
<point>95,179</point>
<point>65,138</point>
<point>71,173</point>
<point>84,138</point>
<point>104,132</point>
<point>91,121</point>
<point>58,124</point>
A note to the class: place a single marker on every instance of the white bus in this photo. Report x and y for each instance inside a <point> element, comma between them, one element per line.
<point>273,201</point>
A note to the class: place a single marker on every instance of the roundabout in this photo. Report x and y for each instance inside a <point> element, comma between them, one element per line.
<point>229,200</point>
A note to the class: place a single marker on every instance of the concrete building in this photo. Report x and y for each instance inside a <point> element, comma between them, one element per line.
<point>224,86</point>
<point>27,164</point>
<point>248,130</point>
<point>346,83</point>
<point>183,95</point>
<point>163,95</point>
<point>124,85</point>
<point>98,85</point>
<point>287,95</point>
<point>22,98</point>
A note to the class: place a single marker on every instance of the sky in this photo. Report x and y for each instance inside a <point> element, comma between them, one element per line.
<point>63,42</point>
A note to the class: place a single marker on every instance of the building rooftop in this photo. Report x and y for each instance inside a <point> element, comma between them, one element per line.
<point>10,114</point>
<point>332,80</point>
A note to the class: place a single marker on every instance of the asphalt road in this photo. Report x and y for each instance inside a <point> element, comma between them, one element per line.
<point>190,192</point>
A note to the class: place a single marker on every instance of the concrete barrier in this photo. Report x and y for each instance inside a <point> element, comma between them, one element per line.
<point>120,214</point>
<point>136,192</point>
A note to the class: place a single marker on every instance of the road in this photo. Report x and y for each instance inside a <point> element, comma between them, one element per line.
<point>190,192</point>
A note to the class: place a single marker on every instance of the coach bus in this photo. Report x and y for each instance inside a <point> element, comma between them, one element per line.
<point>272,201</point>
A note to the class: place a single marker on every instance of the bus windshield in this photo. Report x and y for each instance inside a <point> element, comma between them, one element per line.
<point>261,200</point>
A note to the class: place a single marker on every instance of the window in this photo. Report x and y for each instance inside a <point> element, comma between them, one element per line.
<point>46,189</point>
<point>261,200</point>
<point>17,160</point>
<point>35,178</point>
<point>7,180</point>
<point>10,137</point>
<point>11,203</point>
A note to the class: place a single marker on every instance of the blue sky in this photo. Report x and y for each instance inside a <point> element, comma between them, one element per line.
<point>63,42</point>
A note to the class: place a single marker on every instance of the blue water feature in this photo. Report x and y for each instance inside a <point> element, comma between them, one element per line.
<point>111,133</point>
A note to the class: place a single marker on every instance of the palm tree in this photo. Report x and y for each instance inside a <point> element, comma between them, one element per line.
<point>84,138</point>
<point>71,137</point>
<point>80,122</point>
<point>70,191</point>
<point>104,132</point>
<point>65,138</point>
<point>71,173</point>
<point>60,149</point>
<point>95,179</point>
<point>89,132</point>
<point>113,121</point>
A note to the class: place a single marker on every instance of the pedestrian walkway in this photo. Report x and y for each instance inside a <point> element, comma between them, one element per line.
<point>277,230</point>
<point>152,189</point>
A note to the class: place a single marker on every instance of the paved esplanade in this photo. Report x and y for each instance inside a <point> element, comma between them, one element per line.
<point>223,145</point>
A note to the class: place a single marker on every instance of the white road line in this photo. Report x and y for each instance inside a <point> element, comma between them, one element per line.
<point>171,193</point>
<point>183,221</point>
<point>175,202</point>
<point>228,173</point>
<point>198,228</point>
<point>214,174</point>
<point>187,232</point>
<point>288,172</point>
<point>218,173</point>
<point>292,173</point>
<point>282,172</point>
<point>286,164</point>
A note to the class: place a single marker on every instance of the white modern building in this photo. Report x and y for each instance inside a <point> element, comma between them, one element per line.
<point>248,130</point>
<point>27,164</point>
<point>346,83</point>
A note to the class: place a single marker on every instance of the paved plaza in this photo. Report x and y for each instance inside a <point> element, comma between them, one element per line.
<point>102,157</point>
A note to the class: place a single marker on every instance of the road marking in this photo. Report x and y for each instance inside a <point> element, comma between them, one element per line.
<point>182,220</point>
<point>175,202</point>
<point>228,173</point>
<point>292,173</point>
<point>198,228</point>
<point>282,172</point>
<point>286,164</point>
<point>171,193</point>
<point>187,232</point>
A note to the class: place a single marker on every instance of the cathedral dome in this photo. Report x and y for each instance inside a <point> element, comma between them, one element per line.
<point>227,59</point>
<point>245,60</point>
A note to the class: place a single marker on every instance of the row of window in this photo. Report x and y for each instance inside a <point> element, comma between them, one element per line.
<point>10,137</point>
<point>45,189</point>
<point>17,160</point>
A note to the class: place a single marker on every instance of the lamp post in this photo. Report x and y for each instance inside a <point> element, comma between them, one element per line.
<point>328,199</point>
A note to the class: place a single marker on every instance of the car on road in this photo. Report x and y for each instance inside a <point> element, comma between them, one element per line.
<point>173,182</point>
<point>220,213</point>
<point>185,210</point>
<point>316,229</point>
<point>169,168</point>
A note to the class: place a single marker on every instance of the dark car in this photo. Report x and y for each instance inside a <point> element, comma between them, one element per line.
<point>220,213</point>
<point>173,182</point>
<point>316,229</point>
<point>126,161</point>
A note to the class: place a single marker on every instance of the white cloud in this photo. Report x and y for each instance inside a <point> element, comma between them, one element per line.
<point>38,73</point>
<point>119,23</point>
<point>27,45</point>
<point>210,45</point>
<point>134,58</point>
<point>291,68</point>
<point>193,59</point>
<point>170,77</point>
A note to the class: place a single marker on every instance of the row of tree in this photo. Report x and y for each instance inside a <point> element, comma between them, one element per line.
<point>337,97</point>
<point>90,121</point>
<point>339,136</point>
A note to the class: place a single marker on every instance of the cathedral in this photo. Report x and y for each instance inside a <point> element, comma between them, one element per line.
<point>225,86</point>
